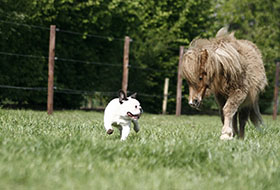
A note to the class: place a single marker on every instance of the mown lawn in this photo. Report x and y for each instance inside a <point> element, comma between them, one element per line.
<point>70,150</point>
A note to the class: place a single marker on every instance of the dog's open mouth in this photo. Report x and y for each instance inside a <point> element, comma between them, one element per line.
<point>133,116</point>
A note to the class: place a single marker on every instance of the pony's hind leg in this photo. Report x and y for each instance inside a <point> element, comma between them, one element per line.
<point>221,102</point>
<point>234,124</point>
<point>255,116</point>
<point>243,118</point>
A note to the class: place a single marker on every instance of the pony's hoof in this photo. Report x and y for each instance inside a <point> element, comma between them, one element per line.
<point>110,131</point>
<point>226,137</point>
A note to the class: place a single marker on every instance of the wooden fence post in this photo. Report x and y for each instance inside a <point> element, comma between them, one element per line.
<point>276,90</point>
<point>165,95</point>
<point>125,64</point>
<point>51,68</point>
<point>179,83</point>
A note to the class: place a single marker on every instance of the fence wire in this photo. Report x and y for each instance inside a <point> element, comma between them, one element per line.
<point>109,38</point>
<point>61,59</point>
<point>73,91</point>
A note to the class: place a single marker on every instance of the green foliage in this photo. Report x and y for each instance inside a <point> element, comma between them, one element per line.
<point>70,150</point>
<point>157,29</point>
<point>18,70</point>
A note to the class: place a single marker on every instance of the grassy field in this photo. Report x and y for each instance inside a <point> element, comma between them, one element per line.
<point>70,150</point>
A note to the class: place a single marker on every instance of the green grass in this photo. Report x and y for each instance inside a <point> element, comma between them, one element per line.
<point>70,150</point>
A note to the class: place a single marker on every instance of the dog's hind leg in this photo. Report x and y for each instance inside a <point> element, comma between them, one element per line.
<point>243,118</point>
<point>108,127</point>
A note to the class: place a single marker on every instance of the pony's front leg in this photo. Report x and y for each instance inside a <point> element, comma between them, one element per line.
<point>229,110</point>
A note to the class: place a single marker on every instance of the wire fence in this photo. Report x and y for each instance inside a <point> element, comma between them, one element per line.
<point>63,59</point>
<point>73,91</point>
<point>109,38</point>
<point>75,61</point>
<point>71,60</point>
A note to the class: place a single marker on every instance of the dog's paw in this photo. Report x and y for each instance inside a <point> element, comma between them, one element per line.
<point>110,131</point>
<point>226,137</point>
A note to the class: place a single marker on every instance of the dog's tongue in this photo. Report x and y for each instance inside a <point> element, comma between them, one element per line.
<point>133,116</point>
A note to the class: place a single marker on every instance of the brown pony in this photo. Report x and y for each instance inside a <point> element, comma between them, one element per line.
<point>233,71</point>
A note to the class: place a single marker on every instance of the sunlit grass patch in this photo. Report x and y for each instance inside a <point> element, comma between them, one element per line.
<point>71,150</point>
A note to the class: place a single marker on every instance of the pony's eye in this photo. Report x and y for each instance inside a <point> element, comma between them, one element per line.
<point>136,106</point>
<point>200,78</point>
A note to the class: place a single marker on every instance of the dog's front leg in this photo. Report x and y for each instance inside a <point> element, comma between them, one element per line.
<point>125,132</point>
<point>229,110</point>
<point>136,126</point>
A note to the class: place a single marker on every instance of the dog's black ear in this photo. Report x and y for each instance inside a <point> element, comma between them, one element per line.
<point>133,95</point>
<point>122,96</point>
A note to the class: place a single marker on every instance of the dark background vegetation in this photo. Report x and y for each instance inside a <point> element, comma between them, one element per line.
<point>157,29</point>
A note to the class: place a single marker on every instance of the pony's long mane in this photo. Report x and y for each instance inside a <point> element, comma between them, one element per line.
<point>222,58</point>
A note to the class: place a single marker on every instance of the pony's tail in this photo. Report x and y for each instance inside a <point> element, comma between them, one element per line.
<point>255,116</point>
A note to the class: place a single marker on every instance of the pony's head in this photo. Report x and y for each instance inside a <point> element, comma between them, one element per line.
<point>195,74</point>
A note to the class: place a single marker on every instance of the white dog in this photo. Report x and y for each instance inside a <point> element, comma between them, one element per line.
<point>120,112</point>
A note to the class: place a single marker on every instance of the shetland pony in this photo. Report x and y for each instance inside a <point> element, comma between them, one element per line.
<point>233,71</point>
